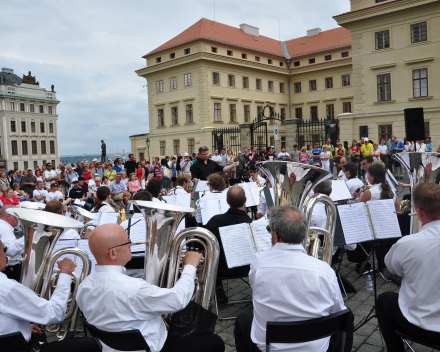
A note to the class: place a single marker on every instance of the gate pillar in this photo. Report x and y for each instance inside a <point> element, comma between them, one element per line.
<point>245,135</point>
<point>292,133</point>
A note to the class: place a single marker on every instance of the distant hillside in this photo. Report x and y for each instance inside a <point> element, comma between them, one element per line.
<point>87,158</point>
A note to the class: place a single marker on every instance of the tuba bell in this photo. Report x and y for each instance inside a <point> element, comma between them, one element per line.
<point>38,264</point>
<point>164,249</point>
<point>421,168</point>
<point>292,184</point>
<point>79,214</point>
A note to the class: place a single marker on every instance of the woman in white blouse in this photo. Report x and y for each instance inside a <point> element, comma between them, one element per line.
<point>380,188</point>
<point>102,205</point>
<point>325,158</point>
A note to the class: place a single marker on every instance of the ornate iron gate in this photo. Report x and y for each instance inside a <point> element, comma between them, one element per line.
<point>259,135</point>
<point>228,138</point>
<point>310,132</point>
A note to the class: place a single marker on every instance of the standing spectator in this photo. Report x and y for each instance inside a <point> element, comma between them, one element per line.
<point>295,155</point>
<point>239,169</point>
<point>18,178</point>
<point>283,155</point>
<point>40,193</point>
<point>325,158</point>
<point>253,156</point>
<point>2,169</point>
<point>58,169</point>
<point>79,170</point>
<point>140,171</point>
<point>304,156</point>
<point>223,156</point>
<point>11,176</point>
<point>355,152</point>
<point>3,179</point>
<point>309,153</point>
<point>366,148</point>
<point>316,152</point>
<point>117,168</point>
<point>383,152</point>
<point>173,172</point>
<point>271,154</point>
<point>217,158</point>
<point>397,148</point>
<point>133,184</point>
<point>87,174</point>
<point>229,161</point>
<point>419,146</point>
<point>178,168</point>
<point>166,175</point>
<point>375,153</point>
<point>390,153</point>
<point>185,164</point>
<point>99,170</point>
<point>49,175</point>
<point>69,176</point>
<point>130,164</point>
<point>429,144</point>
<point>29,182</point>
<point>339,153</point>
<point>331,149</point>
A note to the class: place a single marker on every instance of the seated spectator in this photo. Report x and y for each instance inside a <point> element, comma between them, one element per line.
<point>29,183</point>
<point>110,173</point>
<point>18,192</point>
<point>124,178</point>
<point>40,194</point>
<point>76,192</point>
<point>105,181</point>
<point>54,193</point>
<point>9,197</point>
<point>119,192</point>
<point>134,184</point>
<point>95,187</point>
<point>87,174</point>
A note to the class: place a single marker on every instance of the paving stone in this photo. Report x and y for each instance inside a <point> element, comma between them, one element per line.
<point>369,348</point>
<point>376,339</point>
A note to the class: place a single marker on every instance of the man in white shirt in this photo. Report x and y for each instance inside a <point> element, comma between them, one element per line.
<point>279,277</point>
<point>415,310</point>
<point>283,155</point>
<point>40,194</point>
<point>136,304</point>
<point>217,158</point>
<point>341,174</point>
<point>419,146</point>
<point>182,184</point>
<point>58,170</point>
<point>19,306</point>
<point>15,246</point>
<point>49,175</point>
<point>185,164</point>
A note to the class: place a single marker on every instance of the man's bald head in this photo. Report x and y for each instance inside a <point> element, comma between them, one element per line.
<point>5,207</point>
<point>10,219</point>
<point>102,242</point>
<point>236,197</point>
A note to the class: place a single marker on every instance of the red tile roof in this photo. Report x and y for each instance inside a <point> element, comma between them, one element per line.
<point>232,36</point>
<point>324,41</point>
<point>224,34</point>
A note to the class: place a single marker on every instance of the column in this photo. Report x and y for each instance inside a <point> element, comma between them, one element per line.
<point>292,132</point>
<point>346,132</point>
<point>245,134</point>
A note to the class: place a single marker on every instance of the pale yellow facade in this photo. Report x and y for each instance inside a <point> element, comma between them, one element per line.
<point>351,94</point>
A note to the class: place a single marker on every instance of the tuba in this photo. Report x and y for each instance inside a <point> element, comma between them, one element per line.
<point>38,261</point>
<point>292,184</point>
<point>80,213</point>
<point>164,249</point>
<point>421,168</point>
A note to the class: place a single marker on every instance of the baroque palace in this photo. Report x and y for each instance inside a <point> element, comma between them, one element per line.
<point>383,59</point>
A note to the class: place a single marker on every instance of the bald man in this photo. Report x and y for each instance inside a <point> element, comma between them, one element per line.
<point>113,301</point>
<point>15,246</point>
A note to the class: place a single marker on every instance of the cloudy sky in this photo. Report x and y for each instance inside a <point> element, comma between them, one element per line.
<point>90,49</point>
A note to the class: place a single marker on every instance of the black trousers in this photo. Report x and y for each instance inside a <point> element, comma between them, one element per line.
<point>391,318</point>
<point>199,343</point>
<point>83,344</point>
<point>13,272</point>
<point>244,343</point>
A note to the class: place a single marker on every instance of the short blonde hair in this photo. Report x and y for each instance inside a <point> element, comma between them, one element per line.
<point>182,178</point>
<point>97,178</point>
<point>303,149</point>
<point>379,162</point>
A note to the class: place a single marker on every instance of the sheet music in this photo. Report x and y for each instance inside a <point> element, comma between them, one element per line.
<point>384,219</point>
<point>84,245</point>
<point>180,227</point>
<point>237,244</point>
<point>201,186</point>
<point>250,200</point>
<point>354,223</point>
<point>183,200</point>
<point>256,194</point>
<point>262,238</point>
<point>339,191</point>
<point>108,218</point>
<point>138,233</point>
<point>170,199</point>
<point>213,207</point>
<point>60,244</point>
<point>78,202</point>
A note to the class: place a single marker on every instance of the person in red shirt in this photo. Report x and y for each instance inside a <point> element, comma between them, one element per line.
<point>8,196</point>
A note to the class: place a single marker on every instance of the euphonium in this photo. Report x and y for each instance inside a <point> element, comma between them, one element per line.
<point>38,264</point>
<point>80,213</point>
<point>164,249</point>
<point>292,184</point>
<point>421,168</point>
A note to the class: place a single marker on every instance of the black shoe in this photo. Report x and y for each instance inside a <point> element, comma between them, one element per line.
<point>221,295</point>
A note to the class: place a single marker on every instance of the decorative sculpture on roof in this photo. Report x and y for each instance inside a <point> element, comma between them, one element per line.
<point>52,87</point>
<point>103,151</point>
<point>29,79</point>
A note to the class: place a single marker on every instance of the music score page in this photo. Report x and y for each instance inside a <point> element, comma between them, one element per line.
<point>237,244</point>
<point>385,219</point>
<point>354,223</point>
<point>339,191</point>
<point>262,238</point>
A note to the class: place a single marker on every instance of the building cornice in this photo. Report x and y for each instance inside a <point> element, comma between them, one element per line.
<point>382,9</point>
<point>10,95</point>
<point>322,66</point>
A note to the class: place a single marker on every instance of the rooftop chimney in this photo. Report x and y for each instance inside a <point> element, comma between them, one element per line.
<point>248,29</point>
<point>313,32</point>
<point>7,70</point>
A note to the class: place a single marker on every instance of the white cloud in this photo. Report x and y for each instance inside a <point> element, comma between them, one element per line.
<point>90,49</point>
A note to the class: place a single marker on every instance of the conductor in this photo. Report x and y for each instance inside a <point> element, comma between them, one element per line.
<point>204,167</point>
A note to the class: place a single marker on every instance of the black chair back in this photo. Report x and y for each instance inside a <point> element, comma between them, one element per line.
<point>14,342</point>
<point>307,330</point>
<point>406,337</point>
<point>131,340</point>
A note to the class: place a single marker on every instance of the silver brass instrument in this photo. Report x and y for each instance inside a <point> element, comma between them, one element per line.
<point>32,205</point>
<point>421,168</point>
<point>80,213</point>
<point>164,249</point>
<point>292,183</point>
<point>38,263</point>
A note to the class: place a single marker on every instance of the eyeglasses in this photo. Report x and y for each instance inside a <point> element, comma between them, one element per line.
<point>364,163</point>
<point>120,245</point>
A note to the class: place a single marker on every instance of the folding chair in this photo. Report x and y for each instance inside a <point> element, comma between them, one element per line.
<point>308,330</point>
<point>233,302</point>
<point>405,338</point>
<point>14,342</point>
<point>131,340</point>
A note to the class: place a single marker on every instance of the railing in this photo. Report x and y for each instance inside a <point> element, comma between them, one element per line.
<point>228,138</point>
<point>312,131</point>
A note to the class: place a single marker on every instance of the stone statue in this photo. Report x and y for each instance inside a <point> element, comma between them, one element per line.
<point>29,79</point>
<point>103,151</point>
<point>52,87</point>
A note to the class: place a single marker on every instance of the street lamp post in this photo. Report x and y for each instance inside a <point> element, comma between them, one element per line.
<point>148,147</point>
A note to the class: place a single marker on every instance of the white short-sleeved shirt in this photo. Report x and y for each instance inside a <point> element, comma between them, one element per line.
<point>37,192</point>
